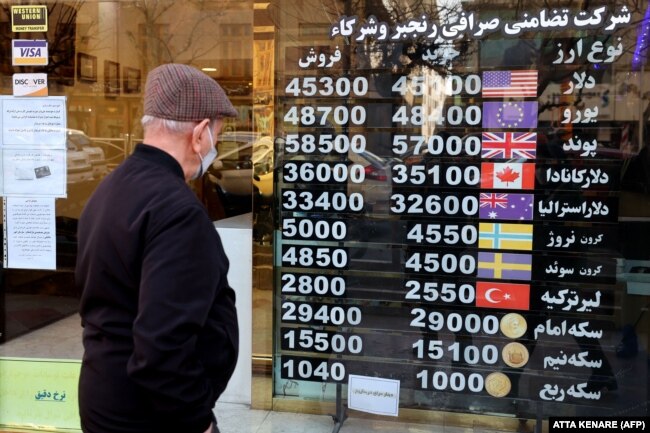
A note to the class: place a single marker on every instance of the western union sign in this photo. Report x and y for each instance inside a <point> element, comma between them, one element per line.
<point>29,18</point>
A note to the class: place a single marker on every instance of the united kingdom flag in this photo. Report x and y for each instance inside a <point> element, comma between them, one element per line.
<point>507,145</point>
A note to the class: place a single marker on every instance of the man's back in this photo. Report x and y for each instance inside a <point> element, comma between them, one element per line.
<point>160,331</point>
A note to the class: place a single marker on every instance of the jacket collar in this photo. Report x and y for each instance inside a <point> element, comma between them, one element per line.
<point>158,156</point>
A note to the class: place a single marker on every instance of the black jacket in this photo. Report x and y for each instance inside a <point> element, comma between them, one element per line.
<point>160,326</point>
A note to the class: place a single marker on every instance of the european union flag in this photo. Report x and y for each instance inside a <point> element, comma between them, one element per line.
<point>510,115</point>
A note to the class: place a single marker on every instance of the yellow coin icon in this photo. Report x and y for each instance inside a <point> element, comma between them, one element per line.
<point>497,384</point>
<point>513,325</point>
<point>515,355</point>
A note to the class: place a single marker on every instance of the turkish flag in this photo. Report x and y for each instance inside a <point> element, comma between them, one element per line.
<point>503,295</point>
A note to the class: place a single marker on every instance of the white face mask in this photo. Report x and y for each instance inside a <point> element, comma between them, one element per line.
<point>207,159</point>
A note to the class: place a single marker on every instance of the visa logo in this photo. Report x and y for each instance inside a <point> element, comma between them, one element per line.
<point>30,52</point>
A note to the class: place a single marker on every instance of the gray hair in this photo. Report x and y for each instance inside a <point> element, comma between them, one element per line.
<point>173,126</point>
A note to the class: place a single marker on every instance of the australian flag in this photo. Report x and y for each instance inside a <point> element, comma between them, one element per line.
<point>506,206</point>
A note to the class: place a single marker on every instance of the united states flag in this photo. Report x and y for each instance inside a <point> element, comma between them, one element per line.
<point>516,84</point>
<point>506,145</point>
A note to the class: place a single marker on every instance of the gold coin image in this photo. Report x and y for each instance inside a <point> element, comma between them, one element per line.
<point>515,354</point>
<point>513,325</point>
<point>497,384</point>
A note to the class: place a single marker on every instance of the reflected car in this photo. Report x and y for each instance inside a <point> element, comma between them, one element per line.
<point>79,166</point>
<point>376,187</point>
<point>77,140</point>
<point>263,167</point>
<point>243,166</point>
<point>378,184</point>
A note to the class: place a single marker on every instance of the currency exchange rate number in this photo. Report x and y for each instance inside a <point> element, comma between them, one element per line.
<point>302,315</point>
<point>453,85</point>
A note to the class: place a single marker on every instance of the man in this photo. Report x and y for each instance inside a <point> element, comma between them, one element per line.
<point>160,326</point>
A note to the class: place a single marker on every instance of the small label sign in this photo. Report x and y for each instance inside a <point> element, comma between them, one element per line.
<point>373,395</point>
<point>29,53</point>
<point>30,85</point>
<point>29,18</point>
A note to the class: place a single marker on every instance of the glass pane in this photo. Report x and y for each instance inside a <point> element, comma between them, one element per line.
<point>462,206</point>
<point>99,57</point>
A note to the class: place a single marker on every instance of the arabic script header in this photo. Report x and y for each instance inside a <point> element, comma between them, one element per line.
<point>469,25</point>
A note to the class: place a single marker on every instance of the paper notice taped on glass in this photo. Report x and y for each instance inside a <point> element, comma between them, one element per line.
<point>29,233</point>
<point>373,395</point>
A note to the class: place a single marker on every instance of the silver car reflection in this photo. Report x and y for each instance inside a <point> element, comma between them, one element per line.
<point>244,165</point>
<point>78,141</point>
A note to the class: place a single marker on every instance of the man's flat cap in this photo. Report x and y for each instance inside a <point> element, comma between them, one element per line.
<point>181,92</point>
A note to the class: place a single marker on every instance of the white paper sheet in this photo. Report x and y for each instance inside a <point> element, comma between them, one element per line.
<point>373,395</point>
<point>30,233</point>
<point>34,122</point>
<point>34,172</point>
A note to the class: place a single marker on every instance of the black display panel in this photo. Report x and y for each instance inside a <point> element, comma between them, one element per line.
<point>450,190</point>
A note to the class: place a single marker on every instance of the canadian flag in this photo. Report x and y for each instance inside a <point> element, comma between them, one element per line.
<point>507,175</point>
<point>502,295</point>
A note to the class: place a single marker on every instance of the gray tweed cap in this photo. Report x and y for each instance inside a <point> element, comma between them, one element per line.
<point>181,92</point>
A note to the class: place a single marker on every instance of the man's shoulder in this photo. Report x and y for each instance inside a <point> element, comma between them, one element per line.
<point>137,175</point>
<point>146,187</point>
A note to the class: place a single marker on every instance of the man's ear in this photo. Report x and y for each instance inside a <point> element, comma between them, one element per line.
<point>197,134</point>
